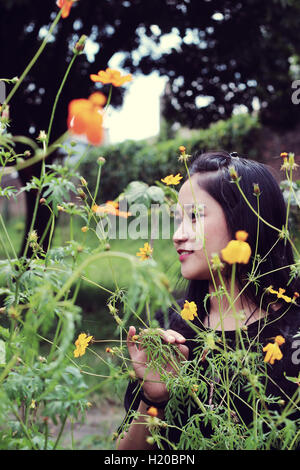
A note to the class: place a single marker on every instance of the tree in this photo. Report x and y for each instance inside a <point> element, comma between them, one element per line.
<point>229,51</point>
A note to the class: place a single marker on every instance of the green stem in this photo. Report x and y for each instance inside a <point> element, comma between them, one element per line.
<point>7,236</point>
<point>58,95</point>
<point>108,99</point>
<point>34,59</point>
<point>25,430</point>
<point>290,179</point>
<point>71,228</point>
<point>264,221</point>
<point>84,264</point>
<point>53,346</point>
<point>46,435</point>
<point>32,221</point>
<point>257,237</point>
<point>60,432</point>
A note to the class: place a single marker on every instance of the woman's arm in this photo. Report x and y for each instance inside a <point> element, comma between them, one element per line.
<point>136,437</point>
<point>154,390</point>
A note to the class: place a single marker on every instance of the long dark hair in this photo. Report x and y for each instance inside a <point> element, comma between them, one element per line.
<point>239,216</point>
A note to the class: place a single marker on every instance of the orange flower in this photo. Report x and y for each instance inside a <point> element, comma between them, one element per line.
<point>85,117</point>
<point>111,76</point>
<point>152,411</point>
<point>111,207</point>
<point>65,6</point>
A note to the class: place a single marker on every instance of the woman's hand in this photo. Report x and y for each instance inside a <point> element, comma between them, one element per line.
<point>153,388</point>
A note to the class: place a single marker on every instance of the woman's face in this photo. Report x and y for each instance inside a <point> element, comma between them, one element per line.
<point>209,225</point>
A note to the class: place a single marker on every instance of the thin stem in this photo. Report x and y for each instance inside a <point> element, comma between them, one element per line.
<point>257,237</point>
<point>32,221</point>
<point>34,59</point>
<point>290,179</point>
<point>58,95</point>
<point>60,432</point>
<point>8,238</point>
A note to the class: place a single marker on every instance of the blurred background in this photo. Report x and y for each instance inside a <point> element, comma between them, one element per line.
<point>207,74</point>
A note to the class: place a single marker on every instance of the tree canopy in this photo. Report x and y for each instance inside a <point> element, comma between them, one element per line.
<point>227,53</point>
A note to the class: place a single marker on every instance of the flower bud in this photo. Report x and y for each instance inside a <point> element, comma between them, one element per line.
<point>256,189</point>
<point>81,194</point>
<point>32,237</point>
<point>79,46</point>
<point>101,161</point>
<point>150,440</point>
<point>83,181</point>
<point>42,136</point>
<point>233,173</point>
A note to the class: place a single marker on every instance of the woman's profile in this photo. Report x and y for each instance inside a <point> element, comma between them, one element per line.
<point>234,368</point>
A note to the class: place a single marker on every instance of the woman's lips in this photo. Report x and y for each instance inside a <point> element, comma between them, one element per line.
<point>184,255</point>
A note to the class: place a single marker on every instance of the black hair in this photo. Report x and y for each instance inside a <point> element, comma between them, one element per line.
<point>239,216</point>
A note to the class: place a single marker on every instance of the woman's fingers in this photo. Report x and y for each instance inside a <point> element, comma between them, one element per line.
<point>131,345</point>
<point>184,350</point>
<point>172,336</point>
<point>168,336</point>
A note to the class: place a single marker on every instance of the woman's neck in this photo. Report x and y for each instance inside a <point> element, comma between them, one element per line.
<point>230,317</point>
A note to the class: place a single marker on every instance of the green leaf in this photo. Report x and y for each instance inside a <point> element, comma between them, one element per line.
<point>156,194</point>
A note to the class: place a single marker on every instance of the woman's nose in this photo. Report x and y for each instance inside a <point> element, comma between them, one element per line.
<point>181,234</point>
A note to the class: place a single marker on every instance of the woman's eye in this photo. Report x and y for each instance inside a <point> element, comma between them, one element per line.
<point>194,218</point>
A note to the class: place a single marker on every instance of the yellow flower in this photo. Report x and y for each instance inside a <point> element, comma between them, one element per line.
<point>281,296</point>
<point>271,290</point>
<point>145,252</point>
<point>189,310</point>
<point>84,229</point>
<point>273,350</point>
<point>171,179</point>
<point>32,404</point>
<point>81,344</point>
<point>280,293</point>
<point>237,251</point>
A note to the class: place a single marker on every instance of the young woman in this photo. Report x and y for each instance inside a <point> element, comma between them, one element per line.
<point>262,310</point>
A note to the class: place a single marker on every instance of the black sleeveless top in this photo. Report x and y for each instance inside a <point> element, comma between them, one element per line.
<point>277,384</point>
